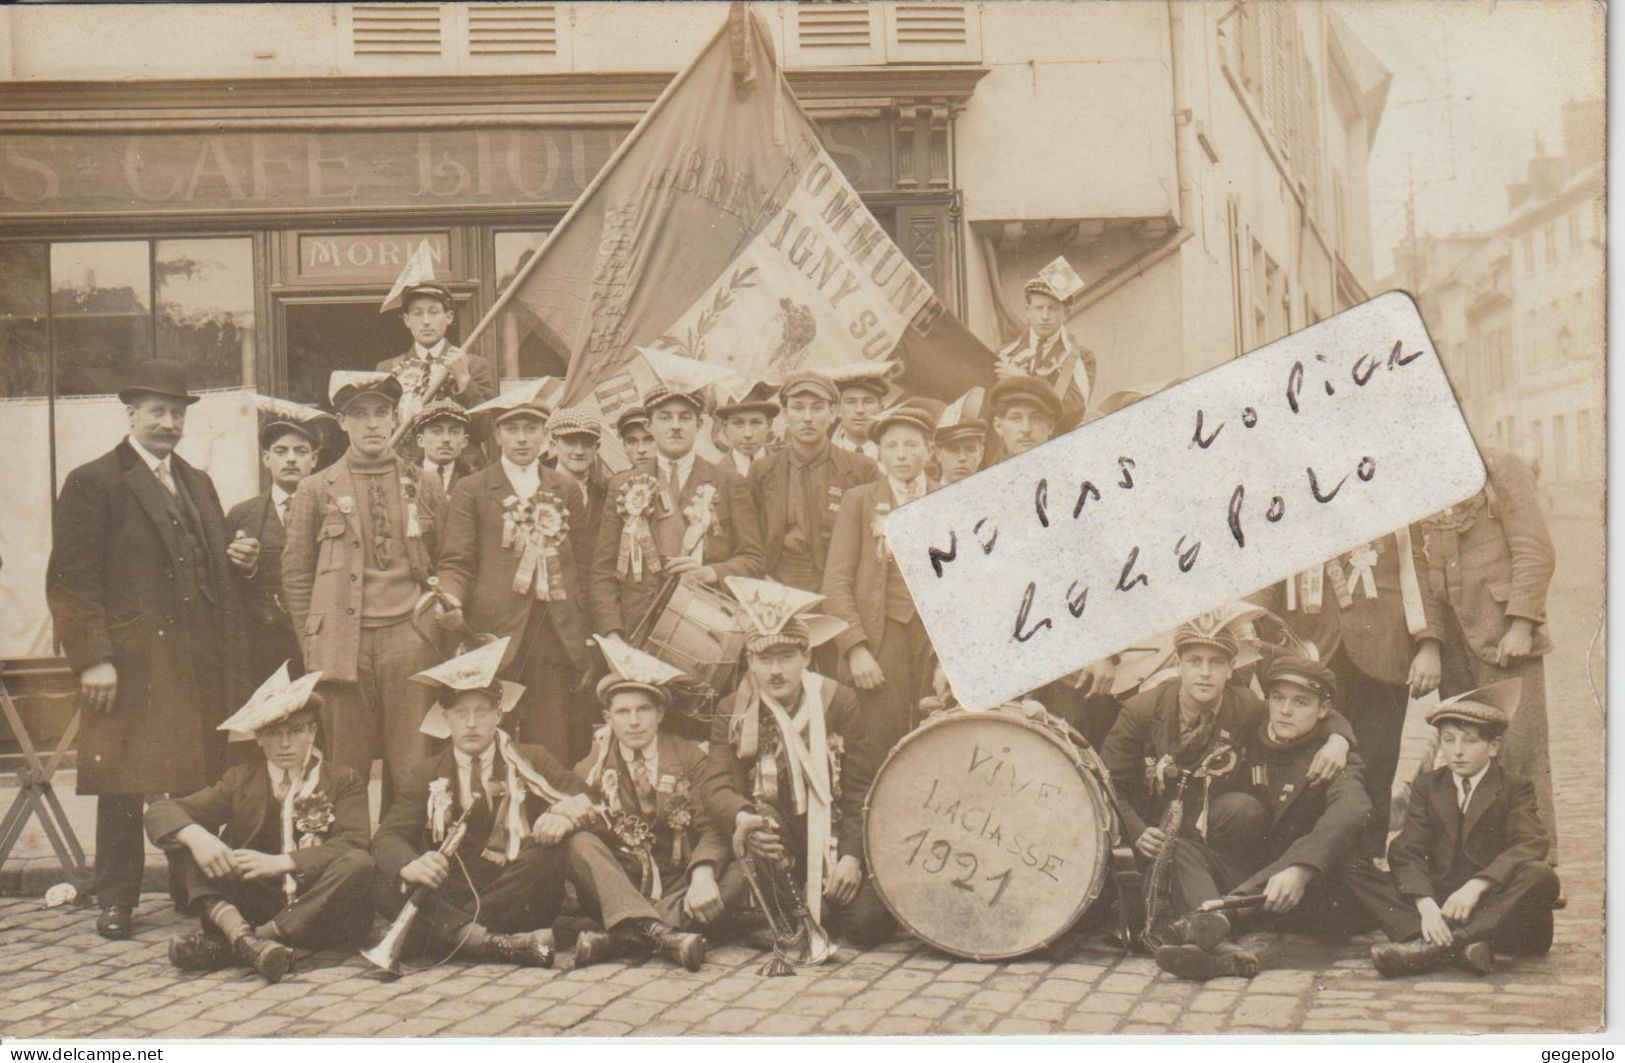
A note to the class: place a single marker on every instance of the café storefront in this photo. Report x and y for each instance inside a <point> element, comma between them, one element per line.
<point>251,228</point>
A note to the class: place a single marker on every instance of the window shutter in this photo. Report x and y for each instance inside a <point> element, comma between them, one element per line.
<point>924,32</point>
<point>513,29</point>
<point>395,29</point>
<point>832,25</point>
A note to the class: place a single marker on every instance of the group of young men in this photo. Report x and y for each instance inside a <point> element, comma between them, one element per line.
<point>454,595</point>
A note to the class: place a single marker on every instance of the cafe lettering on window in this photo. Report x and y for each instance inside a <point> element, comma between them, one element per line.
<point>46,173</point>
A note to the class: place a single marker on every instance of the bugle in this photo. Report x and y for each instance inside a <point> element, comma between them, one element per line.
<point>386,955</point>
<point>798,940</point>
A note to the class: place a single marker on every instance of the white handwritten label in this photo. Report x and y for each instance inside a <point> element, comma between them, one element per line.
<point>1210,490</point>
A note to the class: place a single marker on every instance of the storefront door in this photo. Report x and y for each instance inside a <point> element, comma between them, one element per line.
<point>321,336</point>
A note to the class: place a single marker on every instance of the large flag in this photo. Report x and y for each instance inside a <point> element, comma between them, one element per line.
<point>722,231</point>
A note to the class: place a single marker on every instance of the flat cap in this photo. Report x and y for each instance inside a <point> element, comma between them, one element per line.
<point>1490,707</point>
<point>574,422</point>
<point>661,394</point>
<point>904,413</point>
<point>811,383</point>
<point>1209,629</point>
<point>345,386</point>
<point>1301,671</point>
<point>1022,388</point>
<point>442,410</point>
<point>631,417</point>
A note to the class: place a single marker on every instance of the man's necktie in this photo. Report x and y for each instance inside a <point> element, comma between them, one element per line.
<point>640,782</point>
<point>675,486</point>
<point>1466,794</point>
<point>282,509</point>
<point>161,470</point>
<point>476,781</point>
<point>280,789</point>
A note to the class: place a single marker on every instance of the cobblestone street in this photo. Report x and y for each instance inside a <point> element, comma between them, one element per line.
<point>62,981</point>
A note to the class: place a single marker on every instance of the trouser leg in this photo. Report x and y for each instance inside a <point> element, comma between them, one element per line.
<point>335,910</point>
<point>1376,710</point>
<point>1517,915</point>
<point>544,715</point>
<point>892,709</point>
<point>349,726</point>
<point>390,657</point>
<point>864,921</point>
<point>1238,827</point>
<point>1375,893</point>
<point>602,883</point>
<point>120,849</point>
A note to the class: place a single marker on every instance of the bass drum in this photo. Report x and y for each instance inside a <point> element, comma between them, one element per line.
<point>987,834</point>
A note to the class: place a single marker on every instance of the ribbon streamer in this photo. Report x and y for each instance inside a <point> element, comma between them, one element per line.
<point>303,787</point>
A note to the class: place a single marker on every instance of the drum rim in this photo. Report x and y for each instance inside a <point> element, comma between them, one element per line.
<point>1106,829</point>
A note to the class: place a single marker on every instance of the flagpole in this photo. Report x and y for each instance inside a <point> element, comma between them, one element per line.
<point>592,186</point>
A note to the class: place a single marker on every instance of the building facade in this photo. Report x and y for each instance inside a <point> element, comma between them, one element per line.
<point>1518,312</point>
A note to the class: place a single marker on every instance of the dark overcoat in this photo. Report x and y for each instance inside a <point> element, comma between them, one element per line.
<point>113,592</point>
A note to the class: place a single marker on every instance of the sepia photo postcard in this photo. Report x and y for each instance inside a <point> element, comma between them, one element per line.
<point>802,519</point>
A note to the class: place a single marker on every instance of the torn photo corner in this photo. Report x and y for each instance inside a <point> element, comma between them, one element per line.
<point>1325,440</point>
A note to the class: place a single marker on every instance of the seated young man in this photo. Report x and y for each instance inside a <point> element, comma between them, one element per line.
<point>1292,834</point>
<point>274,854</point>
<point>1468,872</point>
<point>516,802</point>
<point>1176,726</point>
<point>790,761</point>
<point>654,867</point>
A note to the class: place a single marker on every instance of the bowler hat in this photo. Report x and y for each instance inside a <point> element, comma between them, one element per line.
<point>157,376</point>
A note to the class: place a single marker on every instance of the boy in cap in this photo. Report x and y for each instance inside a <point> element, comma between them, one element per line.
<point>1491,561</point>
<point>863,387</point>
<point>1047,352</point>
<point>798,489</point>
<point>1178,725</point>
<point>427,311</point>
<point>885,648</point>
<point>1295,832</point>
<point>686,518</point>
<point>441,433</point>
<point>961,437</point>
<point>360,540</point>
<point>144,602</point>
<point>746,415</point>
<point>665,870</point>
<point>517,804</point>
<point>290,442</point>
<point>575,436</point>
<point>513,564</point>
<point>790,761</point>
<point>1467,874</point>
<point>632,425</point>
<point>274,854</point>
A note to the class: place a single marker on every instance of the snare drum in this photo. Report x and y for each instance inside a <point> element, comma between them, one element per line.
<point>697,629</point>
<point>987,835</point>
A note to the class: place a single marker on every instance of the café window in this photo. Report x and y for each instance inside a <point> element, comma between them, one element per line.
<point>525,351</point>
<point>95,308</point>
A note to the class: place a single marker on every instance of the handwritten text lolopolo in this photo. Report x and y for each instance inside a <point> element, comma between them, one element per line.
<point>1273,462</point>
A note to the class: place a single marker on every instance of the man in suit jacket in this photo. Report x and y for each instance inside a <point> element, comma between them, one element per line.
<point>1490,560</point>
<point>441,435</point>
<point>663,874</point>
<point>797,490</point>
<point>1303,832</point>
<point>575,436</point>
<point>1177,726</point>
<point>700,526</point>
<point>745,413</point>
<point>274,854</point>
<point>514,555</point>
<point>759,734</point>
<point>884,648</point>
<point>288,450</point>
<point>515,802</point>
<point>1468,872</point>
<point>360,541</point>
<point>1046,352</point>
<point>427,311</point>
<point>1375,620</point>
<point>140,589</point>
